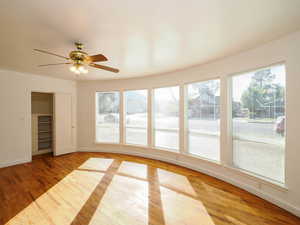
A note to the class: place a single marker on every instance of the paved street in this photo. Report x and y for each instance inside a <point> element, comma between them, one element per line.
<point>256,131</point>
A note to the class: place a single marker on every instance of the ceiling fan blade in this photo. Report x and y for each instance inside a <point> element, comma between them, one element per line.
<point>97,58</point>
<point>54,64</point>
<point>46,52</point>
<point>104,67</point>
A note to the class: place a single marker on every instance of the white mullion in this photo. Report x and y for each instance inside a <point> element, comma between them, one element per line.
<point>182,120</point>
<point>226,151</point>
<point>150,131</point>
<point>122,121</point>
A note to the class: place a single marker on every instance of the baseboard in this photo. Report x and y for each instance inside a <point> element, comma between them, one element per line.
<point>13,163</point>
<point>276,201</point>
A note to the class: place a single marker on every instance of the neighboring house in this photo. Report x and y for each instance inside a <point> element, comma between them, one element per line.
<point>271,109</point>
<point>205,106</point>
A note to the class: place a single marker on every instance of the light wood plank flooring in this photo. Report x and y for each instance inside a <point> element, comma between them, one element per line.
<point>113,189</point>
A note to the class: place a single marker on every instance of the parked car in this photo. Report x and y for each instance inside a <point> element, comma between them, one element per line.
<point>280,125</point>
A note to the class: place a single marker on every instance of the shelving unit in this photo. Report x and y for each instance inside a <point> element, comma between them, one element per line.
<point>42,133</point>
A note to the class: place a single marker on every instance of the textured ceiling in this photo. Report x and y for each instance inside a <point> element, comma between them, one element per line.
<point>139,37</point>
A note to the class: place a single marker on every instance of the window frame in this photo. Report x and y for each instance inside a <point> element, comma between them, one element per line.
<point>95,118</point>
<point>124,117</point>
<point>174,150</point>
<point>186,120</point>
<point>231,137</point>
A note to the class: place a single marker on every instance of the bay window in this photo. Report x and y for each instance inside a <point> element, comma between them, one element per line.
<point>136,117</point>
<point>166,118</point>
<point>258,122</point>
<point>107,117</point>
<point>203,119</point>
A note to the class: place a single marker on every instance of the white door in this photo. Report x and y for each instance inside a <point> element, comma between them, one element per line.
<point>63,124</point>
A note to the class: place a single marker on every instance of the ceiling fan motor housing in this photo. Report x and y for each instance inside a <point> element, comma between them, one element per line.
<point>79,57</point>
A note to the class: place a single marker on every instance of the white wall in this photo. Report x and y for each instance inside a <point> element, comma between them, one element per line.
<point>285,50</point>
<point>15,111</point>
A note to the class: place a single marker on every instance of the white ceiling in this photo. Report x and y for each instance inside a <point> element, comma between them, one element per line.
<point>140,37</point>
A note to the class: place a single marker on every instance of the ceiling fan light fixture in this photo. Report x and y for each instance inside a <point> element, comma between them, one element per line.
<point>78,69</point>
<point>73,68</point>
<point>81,68</point>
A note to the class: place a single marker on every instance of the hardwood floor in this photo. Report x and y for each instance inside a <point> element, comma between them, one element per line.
<point>113,189</point>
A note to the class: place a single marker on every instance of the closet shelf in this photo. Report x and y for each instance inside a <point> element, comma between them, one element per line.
<point>47,131</point>
<point>44,132</point>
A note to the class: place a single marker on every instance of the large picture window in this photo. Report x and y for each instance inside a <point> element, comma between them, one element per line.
<point>166,118</point>
<point>203,113</point>
<point>107,117</point>
<point>258,112</point>
<point>136,120</point>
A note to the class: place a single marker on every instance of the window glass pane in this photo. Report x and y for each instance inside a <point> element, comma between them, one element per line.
<point>136,117</point>
<point>166,118</point>
<point>204,119</point>
<point>107,117</point>
<point>258,112</point>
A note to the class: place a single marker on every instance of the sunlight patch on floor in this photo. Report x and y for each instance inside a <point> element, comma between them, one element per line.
<point>96,164</point>
<point>179,209</point>
<point>133,169</point>
<point>61,203</point>
<point>125,202</point>
<point>175,181</point>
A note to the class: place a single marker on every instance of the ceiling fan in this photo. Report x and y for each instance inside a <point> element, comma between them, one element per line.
<point>80,60</point>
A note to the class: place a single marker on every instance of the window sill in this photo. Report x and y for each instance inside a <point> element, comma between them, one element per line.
<point>166,149</point>
<point>106,143</point>
<point>202,158</point>
<point>258,178</point>
<point>136,146</point>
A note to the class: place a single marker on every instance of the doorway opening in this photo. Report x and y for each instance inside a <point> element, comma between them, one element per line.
<point>42,123</point>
